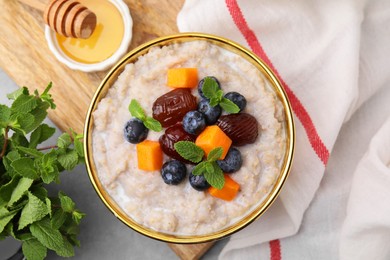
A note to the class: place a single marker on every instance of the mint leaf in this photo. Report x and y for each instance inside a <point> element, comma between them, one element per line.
<point>6,190</point>
<point>214,101</point>
<point>152,124</point>
<point>47,167</point>
<point>215,154</point>
<point>5,217</point>
<point>33,249</point>
<point>77,216</point>
<point>25,168</point>
<point>210,88</point>
<point>21,91</point>
<point>219,94</point>
<point>58,219</point>
<point>68,160</point>
<point>18,139</point>
<point>45,96</point>
<point>78,146</point>
<point>39,113</point>
<point>13,155</point>
<point>23,185</point>
<point>189,151</point>
<point>5,113</point>
<point>39,191</point>
<point>24,103</point>
<point>215,95</point>
<point>50,237</point>
<point>209,168</point>
<point>64,141</point>
<point>72,229</point>
<point>73,240</point>
<point>49,175</point>
<point>67,203</point>
<point>215,178</point>
<point>29,151</point>
<point>41,134</point>
<point>22,122</point>
<point>229,106</point>
<point>33,211</point>
<point>136,110</point>
<point>66,250</point>
<point>200,168</point>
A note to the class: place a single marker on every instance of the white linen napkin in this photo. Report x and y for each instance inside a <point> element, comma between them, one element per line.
<point>331,56</point>
<point>366,230</point>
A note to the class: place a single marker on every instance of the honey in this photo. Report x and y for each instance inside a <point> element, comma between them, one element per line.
<point>105,39</point>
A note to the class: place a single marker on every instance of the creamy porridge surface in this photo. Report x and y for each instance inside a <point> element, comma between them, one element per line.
<point>180,209</point>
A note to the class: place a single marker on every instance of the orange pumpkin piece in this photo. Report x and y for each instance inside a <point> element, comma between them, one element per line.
<point>213,137</point>
<point>149,155</point>
<point>182,77</point>
<point>229,190</point>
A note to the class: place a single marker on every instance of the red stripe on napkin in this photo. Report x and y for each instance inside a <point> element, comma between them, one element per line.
<point>275,251</point>
<point>300,111</point>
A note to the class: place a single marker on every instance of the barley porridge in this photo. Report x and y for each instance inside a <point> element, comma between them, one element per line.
<point>179,209</point>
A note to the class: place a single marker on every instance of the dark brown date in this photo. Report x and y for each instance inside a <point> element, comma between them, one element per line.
<point>170,108</point>
<point>242,128</point>
<point>171,136</point>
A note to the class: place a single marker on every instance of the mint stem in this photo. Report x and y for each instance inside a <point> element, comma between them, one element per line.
<point>47,148</point>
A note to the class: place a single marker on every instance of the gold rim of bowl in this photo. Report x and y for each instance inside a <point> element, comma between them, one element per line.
<point>110,79</point>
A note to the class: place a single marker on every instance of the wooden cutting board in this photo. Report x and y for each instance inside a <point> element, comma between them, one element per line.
<point>25,57</point>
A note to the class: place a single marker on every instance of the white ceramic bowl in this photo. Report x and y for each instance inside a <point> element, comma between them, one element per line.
<point>105,64</point>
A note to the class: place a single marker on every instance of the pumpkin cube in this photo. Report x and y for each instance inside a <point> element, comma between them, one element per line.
<point>229,190</point>
<point>182,77</point>
<point>213,137</point>
<point>149,155</point>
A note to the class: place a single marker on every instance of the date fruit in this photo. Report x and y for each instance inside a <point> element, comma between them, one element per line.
<point>242,128</point>
<point>171,136</point>
<point>170,108</point>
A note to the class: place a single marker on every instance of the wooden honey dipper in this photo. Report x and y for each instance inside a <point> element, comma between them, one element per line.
<point>66,17</point>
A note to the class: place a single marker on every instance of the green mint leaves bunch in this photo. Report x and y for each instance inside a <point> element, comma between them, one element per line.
<point>137,111</point>
<point>215,95</point>
<point>208,167</point>
<point>27,212</point>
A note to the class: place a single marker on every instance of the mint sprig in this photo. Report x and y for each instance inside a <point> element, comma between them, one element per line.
<point>209,167</point>
<point>215,95</point>
<point>27,212</point>
<point>189,151</point>
<point>137,111</point>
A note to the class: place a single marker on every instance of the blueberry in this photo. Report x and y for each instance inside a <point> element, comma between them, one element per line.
<point>194,122</point>
<point>135,131</point>
<point>173,172</point>
<point>232,161</point>
<point>201,82</point>
<point>237,99</point>
<point>211,114</point>
<point>198,182</point>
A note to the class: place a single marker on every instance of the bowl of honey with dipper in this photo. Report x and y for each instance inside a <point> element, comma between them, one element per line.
<point>88,35</point>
